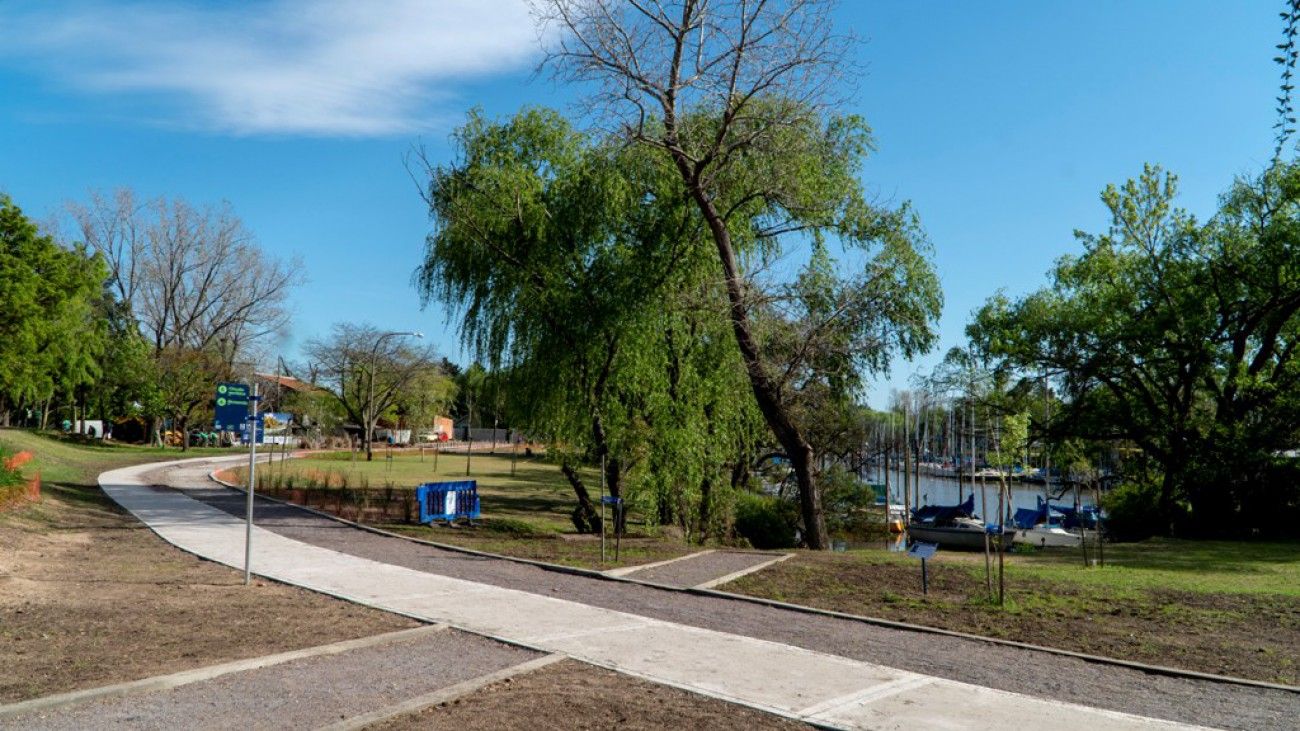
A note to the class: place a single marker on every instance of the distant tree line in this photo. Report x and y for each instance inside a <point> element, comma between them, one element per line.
<point>132,309</point>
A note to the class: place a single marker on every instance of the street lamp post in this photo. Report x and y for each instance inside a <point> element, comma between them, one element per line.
<point>370,389</point>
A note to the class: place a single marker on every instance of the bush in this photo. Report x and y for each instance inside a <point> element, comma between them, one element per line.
<point>765,521</point>
<point>8,477</point>
<point>849,504</point>
<point>1132,511</point>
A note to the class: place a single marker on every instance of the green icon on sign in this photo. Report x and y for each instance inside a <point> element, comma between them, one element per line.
<point>221,388</point>
<point>221,402</point>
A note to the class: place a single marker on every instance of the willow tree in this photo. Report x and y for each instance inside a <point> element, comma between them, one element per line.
<point>738,96</point>
<point>563,258</point>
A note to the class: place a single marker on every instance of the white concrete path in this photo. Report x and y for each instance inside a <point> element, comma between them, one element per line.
<point>782,679</point>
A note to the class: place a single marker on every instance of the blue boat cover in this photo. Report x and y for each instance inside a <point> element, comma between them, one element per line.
<point>940,514</point>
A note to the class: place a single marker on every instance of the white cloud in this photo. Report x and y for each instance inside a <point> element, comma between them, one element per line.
<point>316,67</point>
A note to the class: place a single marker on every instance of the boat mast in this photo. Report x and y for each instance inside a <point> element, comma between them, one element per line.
<point>1047,454</point>
<point>888,442</point>
<point>925,415</point>
<point>907,468</point>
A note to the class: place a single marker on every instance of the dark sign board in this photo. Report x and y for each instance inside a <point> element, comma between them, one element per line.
<point>261,430</point>
<point>922,550</point>
<point>231,406</point>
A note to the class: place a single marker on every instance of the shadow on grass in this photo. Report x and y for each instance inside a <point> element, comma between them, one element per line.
<point>524,504</point>
<point>81,495</point>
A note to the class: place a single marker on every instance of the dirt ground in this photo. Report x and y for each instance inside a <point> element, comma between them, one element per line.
<point>89,597</point>
<point>1246,635</point>
<point>573,695</point>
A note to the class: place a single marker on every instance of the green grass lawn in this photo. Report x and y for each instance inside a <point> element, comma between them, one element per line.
<point>536,493</point>
<point>1228,567</point>
<point>68,461</point>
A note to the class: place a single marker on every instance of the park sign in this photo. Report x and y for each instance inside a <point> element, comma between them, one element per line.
<point>231,406</point>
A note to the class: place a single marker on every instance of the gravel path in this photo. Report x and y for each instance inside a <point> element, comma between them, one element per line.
<point>697,570</point>
<point>995,666</point>
<point>306,693</point>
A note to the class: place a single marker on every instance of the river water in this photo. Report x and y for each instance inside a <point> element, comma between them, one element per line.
<point>944,491</point>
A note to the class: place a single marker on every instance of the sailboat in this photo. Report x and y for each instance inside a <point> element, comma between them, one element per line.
<point>1044,527</point>
<point>953,526</point>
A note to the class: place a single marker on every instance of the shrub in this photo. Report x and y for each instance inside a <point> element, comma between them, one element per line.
<point>1132,511</point>
<point>766,521</point>
<point>849,504</point>
<point>8,477</point>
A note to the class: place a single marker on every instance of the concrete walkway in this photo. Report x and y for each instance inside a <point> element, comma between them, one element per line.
<point>782,679</point>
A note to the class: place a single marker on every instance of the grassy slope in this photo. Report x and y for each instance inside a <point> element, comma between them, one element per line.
<point>67,462</point>
<point>537,493</point>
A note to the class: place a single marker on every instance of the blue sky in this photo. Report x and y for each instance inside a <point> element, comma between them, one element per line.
<point>1001,122</point>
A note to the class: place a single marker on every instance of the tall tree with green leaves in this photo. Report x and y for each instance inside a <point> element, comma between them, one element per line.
<point>562,256</point>
<point>1180,336</point>
<point>52,331</point>
<point>738,97</point>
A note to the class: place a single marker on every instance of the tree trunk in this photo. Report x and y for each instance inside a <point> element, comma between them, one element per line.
<point>1168,488</point>
<point>706,498</point>
<point>770,405</point>
<point>586,518</point>
<point>614,482</point>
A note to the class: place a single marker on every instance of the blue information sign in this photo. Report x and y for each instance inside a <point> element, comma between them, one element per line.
<point>231,406</point>
<point>261,430</point>
<point>922,550</point>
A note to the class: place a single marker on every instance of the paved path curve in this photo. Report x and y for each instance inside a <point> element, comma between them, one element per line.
<point>791,680</point>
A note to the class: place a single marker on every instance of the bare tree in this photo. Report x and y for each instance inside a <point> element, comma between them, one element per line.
<point>191,277</point>
<point>368,371</point>
<point>201,289</point>
<point>711,83</point>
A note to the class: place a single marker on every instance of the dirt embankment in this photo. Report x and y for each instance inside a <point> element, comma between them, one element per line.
<point>90,597</point>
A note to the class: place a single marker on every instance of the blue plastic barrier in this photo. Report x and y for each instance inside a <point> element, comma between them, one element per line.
<point>447,501</point>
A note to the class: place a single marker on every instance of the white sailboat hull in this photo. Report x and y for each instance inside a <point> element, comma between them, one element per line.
<point>1048,537</point>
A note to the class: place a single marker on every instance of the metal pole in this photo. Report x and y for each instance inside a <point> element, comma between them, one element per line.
<point>370,398</point>
<point>602,509</point>
<point>252,480</point>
